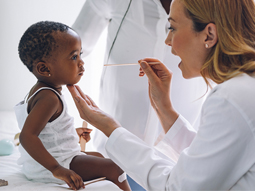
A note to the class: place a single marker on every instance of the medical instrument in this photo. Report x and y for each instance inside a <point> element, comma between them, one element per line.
<point>122,177</point>
<point>93,181</point>
<point>129,64</point>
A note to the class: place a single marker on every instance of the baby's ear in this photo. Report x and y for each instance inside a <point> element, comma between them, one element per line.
<point>42,69</point>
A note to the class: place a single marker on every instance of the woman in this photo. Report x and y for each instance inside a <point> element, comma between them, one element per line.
<point>215,40</point>
<point>135,29</point>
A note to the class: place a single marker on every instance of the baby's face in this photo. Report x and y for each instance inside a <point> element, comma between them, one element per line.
<point>66,64</point>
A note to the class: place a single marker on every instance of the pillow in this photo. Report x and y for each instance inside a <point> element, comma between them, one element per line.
<point>8,125</point>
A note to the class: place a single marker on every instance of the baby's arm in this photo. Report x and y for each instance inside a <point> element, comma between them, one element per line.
<point>44,106</point>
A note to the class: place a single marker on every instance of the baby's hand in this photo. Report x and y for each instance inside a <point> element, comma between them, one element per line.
<point>84,132</point>
<point>73,180</point>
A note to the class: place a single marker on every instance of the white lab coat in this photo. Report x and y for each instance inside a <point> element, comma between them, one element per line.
<point>219,157</point>
<point>123,94</point>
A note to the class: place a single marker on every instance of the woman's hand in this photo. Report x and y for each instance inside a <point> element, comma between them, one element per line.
<point>159,78</point>
<point>159,81</point>
<point>73,180</point>
<point>91,113</point>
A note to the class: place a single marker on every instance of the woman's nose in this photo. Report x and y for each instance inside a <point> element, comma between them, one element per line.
<point>168,40</point>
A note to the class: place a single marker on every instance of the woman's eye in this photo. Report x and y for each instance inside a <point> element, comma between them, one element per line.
<point>171,29</point>
<point>81,53</point>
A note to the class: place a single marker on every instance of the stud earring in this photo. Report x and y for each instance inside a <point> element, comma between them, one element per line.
<point>49,75</point>
<point>206,46</point>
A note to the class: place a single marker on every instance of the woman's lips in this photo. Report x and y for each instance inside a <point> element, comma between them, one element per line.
<point>179,64</point>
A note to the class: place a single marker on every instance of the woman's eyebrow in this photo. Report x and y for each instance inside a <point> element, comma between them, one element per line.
<point>170,18</point>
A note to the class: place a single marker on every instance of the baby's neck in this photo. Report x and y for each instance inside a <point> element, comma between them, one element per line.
<point>40,84</point>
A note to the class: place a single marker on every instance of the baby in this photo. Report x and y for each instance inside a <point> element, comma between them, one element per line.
<point>49,143</point>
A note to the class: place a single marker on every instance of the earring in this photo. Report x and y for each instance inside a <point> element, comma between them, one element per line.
<point>206,46</point>
<point>49,75</point>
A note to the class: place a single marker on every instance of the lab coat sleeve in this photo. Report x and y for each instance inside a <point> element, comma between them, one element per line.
<point>179,137</point>
<point>211,162</point>
<point>91,21</point>
<point>140,161</point>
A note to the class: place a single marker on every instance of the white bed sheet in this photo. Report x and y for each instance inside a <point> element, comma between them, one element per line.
<point>10,171</point>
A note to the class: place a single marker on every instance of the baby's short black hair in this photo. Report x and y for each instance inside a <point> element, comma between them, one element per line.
<point>38,41</point>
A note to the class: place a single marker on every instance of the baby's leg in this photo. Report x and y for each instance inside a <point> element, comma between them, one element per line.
<point>92,167</point>
<point>97,154</point>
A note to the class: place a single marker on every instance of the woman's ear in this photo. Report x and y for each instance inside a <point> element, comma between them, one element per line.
<point>43,69</point>
<point>211,35</point>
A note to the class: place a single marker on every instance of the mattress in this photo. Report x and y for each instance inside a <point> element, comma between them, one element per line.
<point>10,171</point>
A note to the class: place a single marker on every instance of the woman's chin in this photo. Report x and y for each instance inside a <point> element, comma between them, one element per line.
<point>188,75</point>
<point>185,74</point>
<point>183,71</point>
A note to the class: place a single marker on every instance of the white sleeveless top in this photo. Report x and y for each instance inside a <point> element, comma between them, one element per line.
<point>59,137</point>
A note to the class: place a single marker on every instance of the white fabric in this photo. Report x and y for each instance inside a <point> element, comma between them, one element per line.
<point>11,172</point>
<point>123,94</point>
<point>59,138</point>
<point>219,157</point>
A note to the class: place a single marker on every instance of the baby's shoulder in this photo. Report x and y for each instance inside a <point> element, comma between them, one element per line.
<point>44,97</point>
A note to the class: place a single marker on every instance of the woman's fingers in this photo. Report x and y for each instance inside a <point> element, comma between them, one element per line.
<point>84,96</point>
<point>149,72</point>
<point>74,92</point>
<point>150,60</point>
<point>79,91</point>
<point>156,71</point>
<point>92,102</point>
<point>80,102</point>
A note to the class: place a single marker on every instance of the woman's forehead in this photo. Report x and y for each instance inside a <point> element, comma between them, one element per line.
<point>177,12</point>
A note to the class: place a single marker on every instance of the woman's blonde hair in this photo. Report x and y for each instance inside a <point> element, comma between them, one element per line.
<point>234,52</point>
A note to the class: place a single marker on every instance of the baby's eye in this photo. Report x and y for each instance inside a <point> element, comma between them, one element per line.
<point>74,57</point>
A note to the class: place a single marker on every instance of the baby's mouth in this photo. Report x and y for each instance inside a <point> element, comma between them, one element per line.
<point>82,71</point>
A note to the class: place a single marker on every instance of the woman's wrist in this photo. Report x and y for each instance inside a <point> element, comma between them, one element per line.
<point>167,115</point>
<point>110,126</point>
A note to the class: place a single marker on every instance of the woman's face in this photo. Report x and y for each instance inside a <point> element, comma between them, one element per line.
<point>185,42</point>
